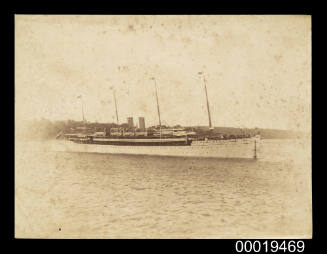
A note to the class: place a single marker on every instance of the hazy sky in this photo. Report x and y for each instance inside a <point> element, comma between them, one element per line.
<point>258,69</point>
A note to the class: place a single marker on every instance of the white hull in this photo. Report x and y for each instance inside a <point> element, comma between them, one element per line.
<point>243,148</point>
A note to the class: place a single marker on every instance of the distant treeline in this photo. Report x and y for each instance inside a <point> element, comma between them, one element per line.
<point>265,133</point>
<point>46,129</point>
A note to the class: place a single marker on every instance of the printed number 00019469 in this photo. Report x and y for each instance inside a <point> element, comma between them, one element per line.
<point>269,246</point>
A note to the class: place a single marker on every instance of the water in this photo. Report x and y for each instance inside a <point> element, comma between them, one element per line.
<point>89,195</point>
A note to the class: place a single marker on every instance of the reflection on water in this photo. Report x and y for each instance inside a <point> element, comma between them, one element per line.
<point>89,195</point>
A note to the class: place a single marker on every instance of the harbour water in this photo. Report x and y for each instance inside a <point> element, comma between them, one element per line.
<point>90,195</point>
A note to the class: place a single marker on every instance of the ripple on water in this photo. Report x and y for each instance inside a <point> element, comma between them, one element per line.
<point>101,195</point>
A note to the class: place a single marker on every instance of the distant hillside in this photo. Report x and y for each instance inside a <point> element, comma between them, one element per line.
<point>46,129</point>
<point>271,133</point>
<point>265,133</point>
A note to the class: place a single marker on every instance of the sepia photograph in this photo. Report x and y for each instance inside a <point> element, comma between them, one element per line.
<point>163,126</point>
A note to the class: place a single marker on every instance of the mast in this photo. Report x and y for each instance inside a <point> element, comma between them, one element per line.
<point>155,84</point>
<point>116,105</point>
<point>83,116</point>
<point>81,98</point>
<point>208,108</point>
<point>255,149</point>
<point>83,110</point>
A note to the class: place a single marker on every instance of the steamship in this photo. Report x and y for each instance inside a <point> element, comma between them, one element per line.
<point>179,143</point>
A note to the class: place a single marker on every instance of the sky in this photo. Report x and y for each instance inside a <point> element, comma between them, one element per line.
<point>257,68</point>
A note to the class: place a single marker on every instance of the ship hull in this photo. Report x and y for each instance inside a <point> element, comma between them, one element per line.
<point>209,149</point>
